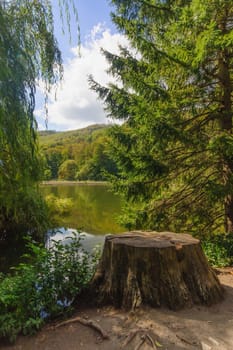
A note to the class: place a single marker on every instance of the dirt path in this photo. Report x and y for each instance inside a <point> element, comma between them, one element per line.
<point>196,328</point>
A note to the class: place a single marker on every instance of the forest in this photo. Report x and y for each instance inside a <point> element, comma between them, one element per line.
<point>170,158</point>
<point>77,155</point>
<point>173,152</point>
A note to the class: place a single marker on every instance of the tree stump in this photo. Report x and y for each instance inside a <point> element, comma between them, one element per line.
<point>159,269</point>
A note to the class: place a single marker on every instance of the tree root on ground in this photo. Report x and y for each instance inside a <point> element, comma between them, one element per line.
<point>193,343</point>
<point>145,337</point>
<point>89,323</point>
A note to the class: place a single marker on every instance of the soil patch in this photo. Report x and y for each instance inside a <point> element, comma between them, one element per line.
<point>206,328</point>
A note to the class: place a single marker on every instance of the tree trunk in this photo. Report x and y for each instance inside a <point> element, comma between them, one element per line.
<point>228,208</point>
<point>225,119</point>
<point>159,269</point>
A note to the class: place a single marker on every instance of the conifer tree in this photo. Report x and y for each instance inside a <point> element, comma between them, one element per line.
<point>175,147</point>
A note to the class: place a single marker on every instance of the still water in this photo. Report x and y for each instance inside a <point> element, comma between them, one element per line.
<point>95,208</point>
<point>94,212</point>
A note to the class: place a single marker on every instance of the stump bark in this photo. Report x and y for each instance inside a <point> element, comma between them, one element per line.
<point>159,269</point>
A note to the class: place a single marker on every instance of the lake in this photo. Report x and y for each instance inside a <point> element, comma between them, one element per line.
<point>94,211</point>
<point>95,208</point>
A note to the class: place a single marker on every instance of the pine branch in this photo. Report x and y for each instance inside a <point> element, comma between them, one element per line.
<point>156,7</point>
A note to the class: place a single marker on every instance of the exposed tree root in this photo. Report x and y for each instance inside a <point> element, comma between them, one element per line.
<point>145,337</point>
<point>130,337</point>
<point>151,341</point>
<point>186,341</point>
<point>88,323</point>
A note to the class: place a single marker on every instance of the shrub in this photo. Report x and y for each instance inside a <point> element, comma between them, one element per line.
<point>219,249</point>
<point>44,287</point>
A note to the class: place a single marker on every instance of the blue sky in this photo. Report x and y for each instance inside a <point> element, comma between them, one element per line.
<point>90,13</point>
<point>76,106</point>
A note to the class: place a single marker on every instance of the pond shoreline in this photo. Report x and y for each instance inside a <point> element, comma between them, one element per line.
<point>66,182</point>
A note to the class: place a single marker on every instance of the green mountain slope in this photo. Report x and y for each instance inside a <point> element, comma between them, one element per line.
<point>52,138</point>
<point>77,154</point>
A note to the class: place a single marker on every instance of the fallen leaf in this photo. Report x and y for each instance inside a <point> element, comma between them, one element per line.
<point>158,344</point>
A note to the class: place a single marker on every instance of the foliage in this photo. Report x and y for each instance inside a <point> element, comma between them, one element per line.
<point>52,163</point>
<point>44,287</point>
<point>28,54</point>
<point>57,208</point>
<point>87,147</point>
<point>47,174</point>
<point>67,170</point>
<point>219,249</point>
<point>174,150</point>
<point>99,164</point>
<point>30,215</point>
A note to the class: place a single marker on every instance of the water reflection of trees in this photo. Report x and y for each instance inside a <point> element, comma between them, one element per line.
<point>95,207</point>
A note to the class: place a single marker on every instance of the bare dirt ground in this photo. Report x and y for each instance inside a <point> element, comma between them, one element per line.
<point>206,328</point>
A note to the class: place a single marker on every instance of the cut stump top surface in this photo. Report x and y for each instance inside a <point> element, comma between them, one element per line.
<point>152,239</point>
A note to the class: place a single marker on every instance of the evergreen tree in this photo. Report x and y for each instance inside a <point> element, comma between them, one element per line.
<point>28,53</point>
<point>175,148</point>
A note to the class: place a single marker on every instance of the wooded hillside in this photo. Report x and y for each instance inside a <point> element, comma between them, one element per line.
<point>78,154</point>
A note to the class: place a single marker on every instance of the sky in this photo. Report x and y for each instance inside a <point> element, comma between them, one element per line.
<point>75,105</point>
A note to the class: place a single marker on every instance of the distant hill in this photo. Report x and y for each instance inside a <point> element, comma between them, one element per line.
<point>81,154</point>
<point>54,138</point>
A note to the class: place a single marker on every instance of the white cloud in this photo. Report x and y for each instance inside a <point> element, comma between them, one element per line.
<point>77,106</point>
